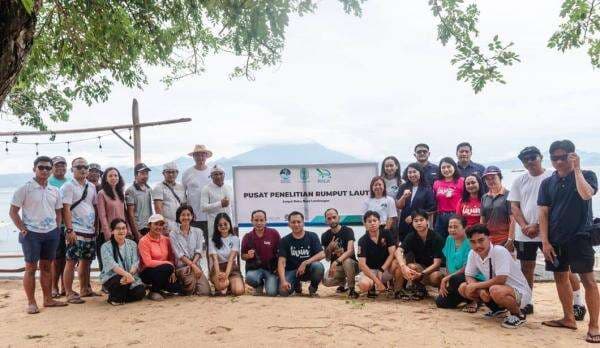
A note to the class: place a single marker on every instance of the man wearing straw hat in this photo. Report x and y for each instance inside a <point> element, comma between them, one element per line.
<point>194,179</point>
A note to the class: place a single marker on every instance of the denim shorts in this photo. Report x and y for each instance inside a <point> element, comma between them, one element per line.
<point>39,246</point>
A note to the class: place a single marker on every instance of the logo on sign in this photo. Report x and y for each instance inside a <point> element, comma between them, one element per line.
<point>285,175</point>
<point>304,175</point>
<point>323,175</point>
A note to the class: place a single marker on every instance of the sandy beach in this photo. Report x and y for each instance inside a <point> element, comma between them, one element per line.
<point>330,320</point>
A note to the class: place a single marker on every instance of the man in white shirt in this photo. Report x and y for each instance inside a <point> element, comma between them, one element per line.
<point>168,195</point>
<point>79,200</point>
<point>40,206</point>
<point>194,179</point>
<point>505,287</point>
<point>523,200</point>
<point>216,197</point>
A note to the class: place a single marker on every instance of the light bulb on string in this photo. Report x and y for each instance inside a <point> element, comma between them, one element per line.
<point>129,133</point>
<point>6,146</point>
<point>15,139</point>
<point>37,152</point>
<point>99,143</point>
<point>68,147</point>
<point>53,137</point>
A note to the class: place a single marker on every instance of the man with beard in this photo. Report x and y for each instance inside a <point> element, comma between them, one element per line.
<point>338,242</point>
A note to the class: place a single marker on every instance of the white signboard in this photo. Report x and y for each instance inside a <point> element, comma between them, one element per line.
<point>309,189</point>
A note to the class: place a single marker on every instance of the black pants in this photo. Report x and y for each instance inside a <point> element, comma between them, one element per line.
<point>158,279</point>
<point>99,241</point>
<point>118,292</point>
<point>453,298</point>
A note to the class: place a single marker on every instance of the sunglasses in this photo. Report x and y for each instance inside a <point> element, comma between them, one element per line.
<point>171,171</point>
<point>46,168</point>
<point>422,151</point>
<point>530,158</point>
<point>559,158</point>
<point>81,167</point>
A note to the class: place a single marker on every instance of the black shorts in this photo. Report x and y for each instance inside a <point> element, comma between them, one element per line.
<point>61,249</point>
<point>527,251</point>
<point>577,255</point>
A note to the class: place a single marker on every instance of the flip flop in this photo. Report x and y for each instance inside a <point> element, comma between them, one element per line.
<point>558,324</point>
<point>471,308</point>
<point>55,294</point>
<point>75,299</point>
<point>91,294</point>
<point>592,338</point>
<point>55,304</point>
<point>32,309</point>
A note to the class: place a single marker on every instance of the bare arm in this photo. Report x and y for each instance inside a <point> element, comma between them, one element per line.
<point>349,252</point>
<point>517,213</point>
<point>131,218</point>
<point>16,219</point>
<point>497,280</point>
<point>543,220</point>
<point>585,190</point>
<point>388,262</point>
<point>158,206</point>
<point>437,262</point>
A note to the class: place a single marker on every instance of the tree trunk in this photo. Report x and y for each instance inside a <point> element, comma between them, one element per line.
<point>17,28</point>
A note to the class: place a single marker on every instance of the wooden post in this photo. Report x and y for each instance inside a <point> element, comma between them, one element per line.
<point>137,141</point>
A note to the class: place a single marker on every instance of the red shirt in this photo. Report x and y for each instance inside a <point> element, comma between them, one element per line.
<point>470,210</point>
<point>155,252</point>
<point>265,246</point>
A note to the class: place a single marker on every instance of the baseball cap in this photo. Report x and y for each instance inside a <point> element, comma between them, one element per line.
<point>529,150</point>
<point>170,166</point>
<point>217,169</point>
<point>140,167</point>
<point>490,170</point>
<point>58,159</point>
<point>155,218</point>
<point>96,167</point>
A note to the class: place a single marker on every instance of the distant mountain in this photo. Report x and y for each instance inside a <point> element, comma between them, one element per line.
<point>309,153</point>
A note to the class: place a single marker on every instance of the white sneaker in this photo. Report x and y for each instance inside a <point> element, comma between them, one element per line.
<point>514,321</point>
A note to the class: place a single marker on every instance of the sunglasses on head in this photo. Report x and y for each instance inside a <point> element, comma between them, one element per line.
<point>559,158</point>
<point>81,167</point>
<point>47,168</point>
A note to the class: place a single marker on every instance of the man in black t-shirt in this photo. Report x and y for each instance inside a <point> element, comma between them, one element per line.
<point>375,256</point>
<point>424,246</point>
<point>299,256</point>
<point>338,242</point>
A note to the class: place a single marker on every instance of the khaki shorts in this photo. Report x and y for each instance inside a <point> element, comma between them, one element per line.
<point>383,276</point>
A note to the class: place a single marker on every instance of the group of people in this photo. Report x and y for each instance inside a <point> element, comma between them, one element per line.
<point>451,226</point>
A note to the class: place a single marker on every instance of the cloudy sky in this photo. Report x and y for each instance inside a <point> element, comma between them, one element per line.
<point>368,86</point>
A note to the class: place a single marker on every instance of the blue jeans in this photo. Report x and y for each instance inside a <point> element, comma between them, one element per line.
<point>313,274</point>
<point>261,277</point>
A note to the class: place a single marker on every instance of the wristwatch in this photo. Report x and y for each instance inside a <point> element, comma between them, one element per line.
<point>69,230</point>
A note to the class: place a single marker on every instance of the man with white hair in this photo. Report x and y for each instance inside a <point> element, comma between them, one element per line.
<point>216,197</point>
<point>168,195</point>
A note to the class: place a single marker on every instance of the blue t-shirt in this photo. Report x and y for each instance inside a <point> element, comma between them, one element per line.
<point>457,258</point>
<point>57,182</point>
<point>471,168</point>
<point>569,214</point>
<point>297,251</point>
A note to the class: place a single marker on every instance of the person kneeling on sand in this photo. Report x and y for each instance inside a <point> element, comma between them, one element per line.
<point>456,251</point>
<point>120,272</point>
<point>299,256</point>
<point>157,260</point>
<point>424,247</point>
<point>259,250</point>
<point>505,289</point>
<point>338,242</point>
<point>375,256</point>
<point>188,244</point>
<point>223,249</point>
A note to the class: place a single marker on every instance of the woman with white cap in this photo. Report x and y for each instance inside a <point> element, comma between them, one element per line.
<point>157,260</point>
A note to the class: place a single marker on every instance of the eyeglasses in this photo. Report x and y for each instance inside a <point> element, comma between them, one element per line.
<point>530,158</point>
<point>559,158</point>
<point>81,167</point>
<point>46,168</point>
<point>223,225</point>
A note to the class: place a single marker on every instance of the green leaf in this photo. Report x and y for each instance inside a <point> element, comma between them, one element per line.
<point>28,4</point>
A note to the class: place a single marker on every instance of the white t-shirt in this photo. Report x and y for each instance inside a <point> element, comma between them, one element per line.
<point>170,203</point>
<point>385,206</point>
<point>211,203</point>
<point>84,215</point>
<point>194,181</point>
<point>525,190</point>
<point>502,264</point>
<point>231,243</point>
<point>38,206</point>
<point>391,187</point>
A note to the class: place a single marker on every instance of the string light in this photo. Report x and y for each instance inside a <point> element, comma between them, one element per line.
<point>53,137</point>
<point>99,144</point>
<point>15,139</point>
<point>68,147</point>
<point>6,146</point>
<point>129,133</point>
<point>37,152</point>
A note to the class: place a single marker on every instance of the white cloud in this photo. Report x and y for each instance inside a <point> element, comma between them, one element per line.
<point>367,86</point>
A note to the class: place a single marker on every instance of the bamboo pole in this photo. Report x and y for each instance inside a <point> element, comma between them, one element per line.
<point>137,141</point>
